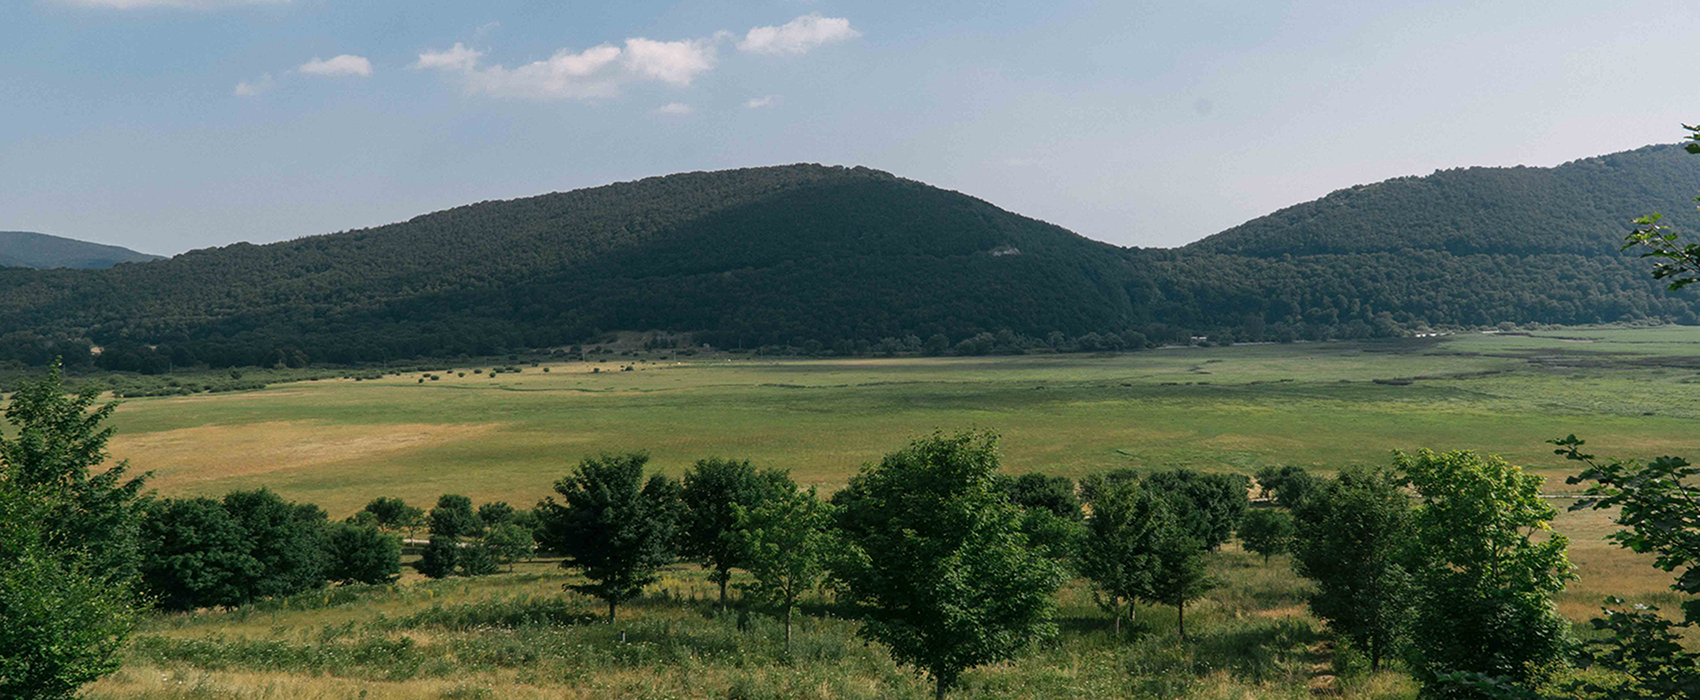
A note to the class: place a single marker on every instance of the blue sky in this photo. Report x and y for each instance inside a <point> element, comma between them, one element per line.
<point>166,125</point>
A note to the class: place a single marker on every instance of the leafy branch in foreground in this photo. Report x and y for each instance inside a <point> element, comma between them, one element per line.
<point>1660,508</point>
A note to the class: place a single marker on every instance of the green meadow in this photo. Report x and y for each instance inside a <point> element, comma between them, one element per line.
<point>340,442</point>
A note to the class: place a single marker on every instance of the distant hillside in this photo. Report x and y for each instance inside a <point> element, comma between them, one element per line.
<point>763,256</point>
<point>851,260</point>
<point>39,250</point>
<point>1471,246</point>
<point>1582,207</point>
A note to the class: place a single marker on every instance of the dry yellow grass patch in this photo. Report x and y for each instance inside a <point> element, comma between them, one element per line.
<point>186,456</point>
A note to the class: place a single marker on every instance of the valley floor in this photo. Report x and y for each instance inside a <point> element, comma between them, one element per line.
<point>340,443</point>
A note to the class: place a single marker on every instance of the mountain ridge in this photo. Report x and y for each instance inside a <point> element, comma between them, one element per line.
<point>848,260</point>
<point>39,250</point>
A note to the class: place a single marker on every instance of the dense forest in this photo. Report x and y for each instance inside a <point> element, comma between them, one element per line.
<point>816,259</point>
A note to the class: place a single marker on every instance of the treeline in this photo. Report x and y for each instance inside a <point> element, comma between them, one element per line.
<point>856,261</point>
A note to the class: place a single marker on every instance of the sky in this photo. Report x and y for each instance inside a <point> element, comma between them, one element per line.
<point>170,125</point>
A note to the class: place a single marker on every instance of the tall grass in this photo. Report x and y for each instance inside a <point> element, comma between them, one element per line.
<point>520,636</point>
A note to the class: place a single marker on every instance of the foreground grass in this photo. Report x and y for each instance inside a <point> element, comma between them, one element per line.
<point>518,636</point>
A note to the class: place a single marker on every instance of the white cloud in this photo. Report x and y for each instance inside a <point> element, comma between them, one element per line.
<point>252,89</point>
<point>760,102</point>
<point>179,4</point>
<point>798,36</point>
<point>675,108</point>
<point>339,66</point>
<point>589,74</point>
<point>458,58</point>
<point>672,62</point>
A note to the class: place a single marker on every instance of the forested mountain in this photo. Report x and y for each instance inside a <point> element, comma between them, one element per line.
<point>26,249</point>
<point>1470,246</point>
<point>1574,208</point>
<point>832,259</point>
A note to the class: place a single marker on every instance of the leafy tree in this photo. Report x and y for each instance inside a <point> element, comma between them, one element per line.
<point>194,554</point>
<point>1093,485</point>
<point>618,534</point>
<point>1484,586</point>
<point>478,559</point>
<point>1657,505</point>
<point>1351,535</point>
<point>1288,485</point>
<point>1267,531</point>
<point>250,545</point>
<point>395,515</point>
<point>361,554</point>
<point>714,489</point>
<point>936,557</point>
<point>786,542</point>
<point>495,513</point>
<point>454,518</point>
<point>63,624</point>
<point>509,542</point>
<point>440,558</point>
<point>1179,576</point>
<point>286,539</point>
<point>1119,553</point>
<point>1208,505</point>
<point>59,442</point>
<point>1054,494</point>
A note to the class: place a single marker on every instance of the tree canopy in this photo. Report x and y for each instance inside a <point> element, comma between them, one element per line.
<point>937,559</point>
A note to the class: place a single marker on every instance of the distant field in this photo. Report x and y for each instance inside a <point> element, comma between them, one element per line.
<point>340,442</point>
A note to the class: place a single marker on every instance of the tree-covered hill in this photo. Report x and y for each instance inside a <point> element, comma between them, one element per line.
<point>1582,207</point>
<point>847,260</point>
<point>39,250</point>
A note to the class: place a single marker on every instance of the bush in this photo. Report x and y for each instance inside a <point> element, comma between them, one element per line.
<point>360,554</point>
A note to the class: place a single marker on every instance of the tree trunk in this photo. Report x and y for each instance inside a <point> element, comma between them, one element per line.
<point>939,687</point>
<point>611,611</point>
<point>1180,618</point>
<point>1117,616</point>
<point>724,577</point>
<point>1374,657</point>
<point>788,608</point>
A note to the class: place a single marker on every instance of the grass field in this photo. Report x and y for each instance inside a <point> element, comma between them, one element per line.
<point>518,636</point>
<point>339,443</point>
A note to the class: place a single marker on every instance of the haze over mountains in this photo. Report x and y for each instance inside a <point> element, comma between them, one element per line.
<point>845,259</point>
<point>39,250</point>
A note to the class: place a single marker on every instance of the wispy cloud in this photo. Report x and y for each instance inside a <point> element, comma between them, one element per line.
<point>255,87</point>
<point>343,65</point>
<point>798,36</point>
<point>593,73</point>
<point>760,102</point>
<point>675,108</point>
